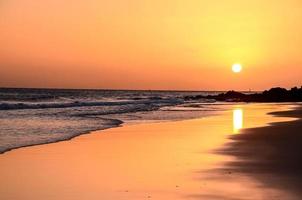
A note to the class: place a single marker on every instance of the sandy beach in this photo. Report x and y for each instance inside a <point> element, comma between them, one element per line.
<point>219,157</point>
<point>271,154</point>
<point>150,99</point>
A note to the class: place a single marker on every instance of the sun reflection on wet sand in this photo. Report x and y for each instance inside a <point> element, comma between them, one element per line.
<point>237,120</point>
<point>170,160</point>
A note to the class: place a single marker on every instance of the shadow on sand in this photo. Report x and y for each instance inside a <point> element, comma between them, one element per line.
<point>271,154</point>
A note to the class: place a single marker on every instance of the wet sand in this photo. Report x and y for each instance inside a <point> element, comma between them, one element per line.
<point>271,154</point>
<point>165,161</point>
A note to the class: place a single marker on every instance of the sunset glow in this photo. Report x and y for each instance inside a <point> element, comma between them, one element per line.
<point>150,99</point>
<point>150,44</point>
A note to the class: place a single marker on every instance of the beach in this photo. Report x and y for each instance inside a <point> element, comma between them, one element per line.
<point>150,99</point>
<point>271,154</point>
<point>187,159</point>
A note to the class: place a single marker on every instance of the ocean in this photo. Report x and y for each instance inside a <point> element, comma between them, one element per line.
<point>39,116</point>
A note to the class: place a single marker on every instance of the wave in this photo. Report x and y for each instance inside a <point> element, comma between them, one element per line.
<point>32,117</point>
<point>17,106</point>
<point>52,133</point>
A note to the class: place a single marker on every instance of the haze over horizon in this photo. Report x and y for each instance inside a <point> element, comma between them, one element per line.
<point>144,44</point>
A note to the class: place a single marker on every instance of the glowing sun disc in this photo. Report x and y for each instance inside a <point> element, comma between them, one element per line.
<point>236,68</point>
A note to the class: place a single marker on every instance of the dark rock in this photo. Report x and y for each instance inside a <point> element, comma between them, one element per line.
<point>273,95</point>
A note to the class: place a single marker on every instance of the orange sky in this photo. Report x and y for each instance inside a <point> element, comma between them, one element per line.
<point>150,44</point>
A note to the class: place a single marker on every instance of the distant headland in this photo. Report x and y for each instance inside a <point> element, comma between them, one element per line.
<point>276,94</point>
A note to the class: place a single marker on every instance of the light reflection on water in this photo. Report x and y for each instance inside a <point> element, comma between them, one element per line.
<point>237,120</point>
<point>171,160</point>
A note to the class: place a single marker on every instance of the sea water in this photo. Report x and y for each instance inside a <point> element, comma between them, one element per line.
<point>38,116</point>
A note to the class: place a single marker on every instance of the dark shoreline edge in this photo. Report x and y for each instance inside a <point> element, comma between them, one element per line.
<point>270,154</point>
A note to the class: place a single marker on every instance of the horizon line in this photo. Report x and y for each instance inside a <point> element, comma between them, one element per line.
<point>121,89</point>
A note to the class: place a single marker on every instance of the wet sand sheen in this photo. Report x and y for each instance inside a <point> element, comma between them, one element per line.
<point>279,164</point>
<point>170,160</point>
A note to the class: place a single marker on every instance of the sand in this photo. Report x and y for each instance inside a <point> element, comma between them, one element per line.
<point>165,161</point>
<point>271,154</point>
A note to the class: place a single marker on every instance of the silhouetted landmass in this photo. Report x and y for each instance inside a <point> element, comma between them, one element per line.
<point>273,95</point>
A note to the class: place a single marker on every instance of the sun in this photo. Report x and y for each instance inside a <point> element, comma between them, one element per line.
<point>236,68</point>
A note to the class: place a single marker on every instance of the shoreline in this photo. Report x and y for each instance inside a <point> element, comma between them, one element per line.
<point>118,122</point>
<point>121,122</point>
<point>169,160</point>
<point>57,141</point>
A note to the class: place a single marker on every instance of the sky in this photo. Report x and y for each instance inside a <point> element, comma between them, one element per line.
<point>151,44</point>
